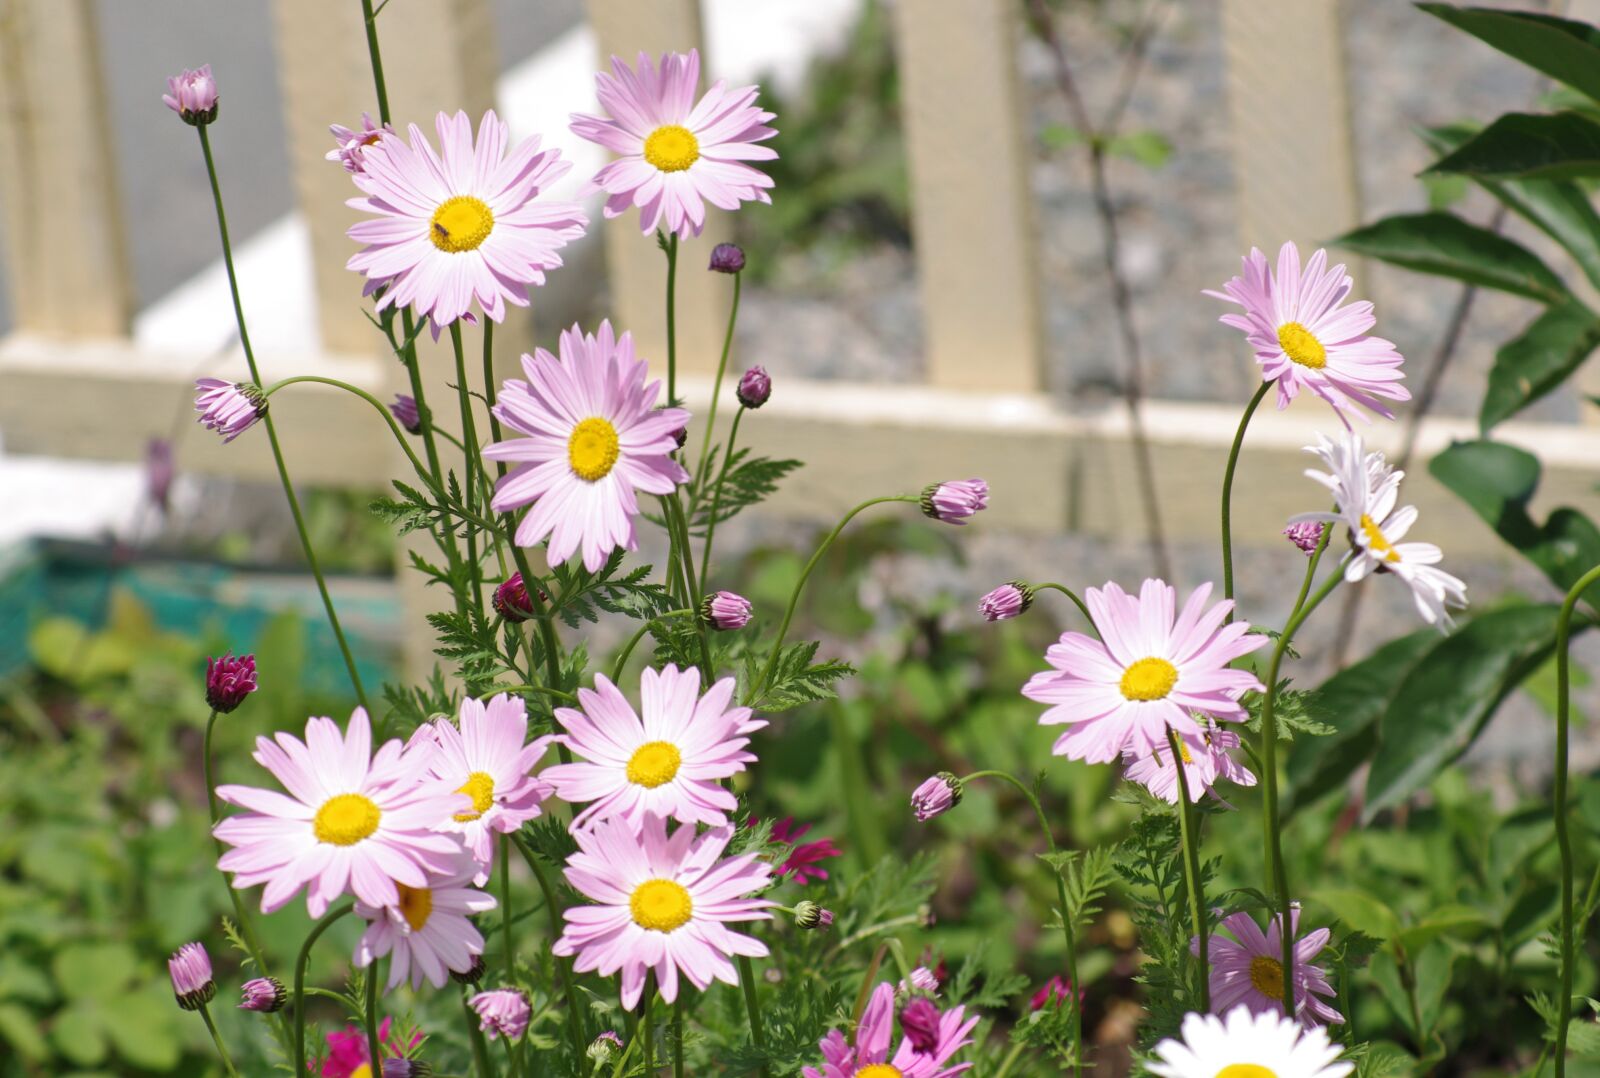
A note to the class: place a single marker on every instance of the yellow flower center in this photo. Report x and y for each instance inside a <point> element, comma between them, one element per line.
<point>362,1071</point>
<point>661,905</point>
<point>654,763</point>
<point>1302,346</point>
<point>1183,751</point>
<point>1267,975</point>
<point>879,1070</point>
<point>1376,540</point>
<point>1246,1070</point>
<point>593,449</point>
<point>416,903</point>
<point>461,224</point>
<point>1149,679</point>
<point>345,820</point>
<point>672,148</point>
<point>480,787</point>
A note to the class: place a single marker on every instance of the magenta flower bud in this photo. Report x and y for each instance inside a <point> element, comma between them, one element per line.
<point>351,144</point>
<point>406,1068</point>
<point>229,680</point>
<point>1305,535</point>
<point>503,1012</point>
<point>193,96</point>
<point>920,979</point>
<point>190,969</point>
<point>936,796</point>
<point>1006,601</point>
<point>229,408</point>
<point>511,600</point>
<point>265,994</point>
<point>1055,991</point>
<point>724,610</point>
<point>919,1019</point>
<point>727,258</point>
<point>405,413</point>
<point>754,387</point>
<point>954,500</point>
<point>158,471</point>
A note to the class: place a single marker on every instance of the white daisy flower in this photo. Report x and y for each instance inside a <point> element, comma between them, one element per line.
<point>1245,1045</point>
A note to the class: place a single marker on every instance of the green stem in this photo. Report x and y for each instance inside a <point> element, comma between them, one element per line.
<point>691,585</point>
<point>394,426</point>
<point>374,1045</point>
<point>1563,840</point>
<point>794,598</point>
<point>633,642</point>
<point>480,1049</point>
<point>246,929</point>
<point>1189,830</point>
<point>716,493</point>
<point>564,965</point>
<point>1269,782</point>
<point>1010,1059</point>
<point>505,908</point>
<point>672,320</point>
<point>1070,594</point>
<point>716,388</point>
<point>647,1022</point>
<point>371,21</point>
<point>472,462</point>
<point>300,980</point>
<point>216,1039</point>
<point>677,1037</point>
<point>758,1037</point>
<point>1227,492</point>
<point>272,430</point>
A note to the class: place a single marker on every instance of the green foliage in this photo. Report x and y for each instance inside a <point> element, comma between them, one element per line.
<point>747,480</point>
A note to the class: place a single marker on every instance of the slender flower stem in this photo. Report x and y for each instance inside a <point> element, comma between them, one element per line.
<point>633,642</point>
<point>1189,829</point>
<point>373,54</point>
<point>716,493</point>
<point>216,1039</point>
<point>1279,877</point>
<point>672,320</point>
<point>1011,1058</point>
<point>505,909</point>
<point>677,1037</point>
<point>1070,594</point>
<point>394,427</point>
<point>1227,491</point>
<point>691,585</point>
<point>1563,840</point>
<point>300,979</point>
<point>473,463</point>
<point>1061,896</point>
<point>794,599</point>
<point>374,1044</point>
<point>272,430</point>
<point>563,965</point>
<point>716,387</point>
<point>648,1022</point>
<point>758,1037</point>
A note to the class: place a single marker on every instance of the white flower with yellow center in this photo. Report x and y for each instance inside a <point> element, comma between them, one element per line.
<point>669,762</point>
<point>661,902</point>
<point>426,933</point>
<point>352,822</point>
<point>592,438</point>
<point>1247,1045</point>
<point>676,153</point>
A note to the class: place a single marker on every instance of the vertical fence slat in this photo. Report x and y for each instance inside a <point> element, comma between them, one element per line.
<point>66,250</point>
<point>972,206</point>
<point>635,268</point>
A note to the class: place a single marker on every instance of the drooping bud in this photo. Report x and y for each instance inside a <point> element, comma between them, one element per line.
<point>190,969</point>
<point>919,1019</point>
<point>405,413</point>
<point>193,96</point>
<point>473,973</point>
<point>1305,535</point>
<point>953,501</point>
<point>229,680</point>
<point>1006,602</point>
<point>755,386</point>
<point>264,994</point>
<point>727,258</point>
<point>936,796</point>
<point>808,915</point>
<point>503,1012</point>
<point>229,408</point>
<point>725,610</point>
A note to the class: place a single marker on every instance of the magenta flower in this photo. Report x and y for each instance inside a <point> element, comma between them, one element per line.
<point>675,154</point>
<point>503,1012</point>
<point>1006,602</point>
<point>229,408</point>
<point>405,412</point>
<point>229,680</point>
<point>512,601</point>
<point>193,96</point>
<point>190,969</point>
<point>726,610</point>
<point>667,763</point>
<point>591,440</point>
<point>755,387</point>
<point>265,994</point>
<point>347,1050</point>
<point>1248,970</point>
<point>1304,339</point>
<point>805,857</point>
<point>1306,535</point>
<point>461,225</point>
<point>661,902</point>
<point>426,933</point>
<point>869,1056</point>
<point>936,796</point>
<point>1056,990</point>
<point>352,144</point>
<point>920,1020</point>
<point>1205,761</point>
<point>726,258</point>
<point>955,500</point>
<point>352,822</point>
<point>1148,671</point>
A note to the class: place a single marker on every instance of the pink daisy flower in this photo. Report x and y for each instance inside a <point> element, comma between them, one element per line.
<point>351,823</point>
<point>427,932</point>
<point>352,143</point>
<point>347,1050</point>
<point>592,438</point>
<point>461,225</point>
<point>661,902</point>
<point>869,1056</point>
<point>675,154</point>
<point>1205,761</point>
<point>804,860</point>
<point>1248,970</point>
<point>668,763</point>
<point>486,760</point>
<point>1305,339</point>
<point>1147,672</point>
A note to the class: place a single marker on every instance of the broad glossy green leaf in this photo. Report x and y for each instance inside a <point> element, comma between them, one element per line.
<point>1565,49</point>
<point>1445,699</point>
<point>77,1035</point>
<point>142,1030</point>
<point>1498,481</point>
<point>1432,972</point>
<point>1456,921</point>
<point>1538,360</point>
<point>1359,910</point>
<point>1529,145</point>
<point>1444,245</point>
<point>94,970</point>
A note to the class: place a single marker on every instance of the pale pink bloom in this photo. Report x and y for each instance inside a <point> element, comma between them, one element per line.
<point>592,438</point>
<point>1006,602</point>
<point>460,225</point>
<point>1205,761</point>
<point>661,902</point>
<point>668,763</point>
<point>726,610</point>
<point>190,970</point>
<point>264,994</point>
<point>1305,534</point>
<point>352,143</point>
<point>920,979</point>
<point>229,408</point>
<point>935,795</point>
<point>503,1012</point>
<point>953,501</point>
<point>1148,671</point>
<point>484,758</point>
<point>1243,1043</point>
<point>192,95</point>
<point>426,932</point>
<point>352,821</point>
<point>1304,339</point>
<point>675,154</point>
<point>1250,971</point>
<point>869,1055</point>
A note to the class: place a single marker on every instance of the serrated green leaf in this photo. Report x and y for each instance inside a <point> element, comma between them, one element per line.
<point>1446,246</point>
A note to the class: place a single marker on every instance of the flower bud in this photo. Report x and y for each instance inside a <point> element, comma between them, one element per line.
<point>1305,535</point>
<point>1055,991</point>
<point>229,408</point>
<point>193,96</point>
<point>265,994</point>
<point>1006,602</point>
<point>405,412</point>
<point>511,600</point>
<point>936,796</point>
<point>503,1012</point>
<point>955,500</point>
<point>406,1068</point>
<point>190,969</point>
<point>808,915</point>
<point>472,974</point>
<point>754,387</point>
<point>725,610</point>
<point>604,1049</point>
<point>727,258</point>
<point>229,680</point>
<point>919,1020</point>
<point>352,144</point>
